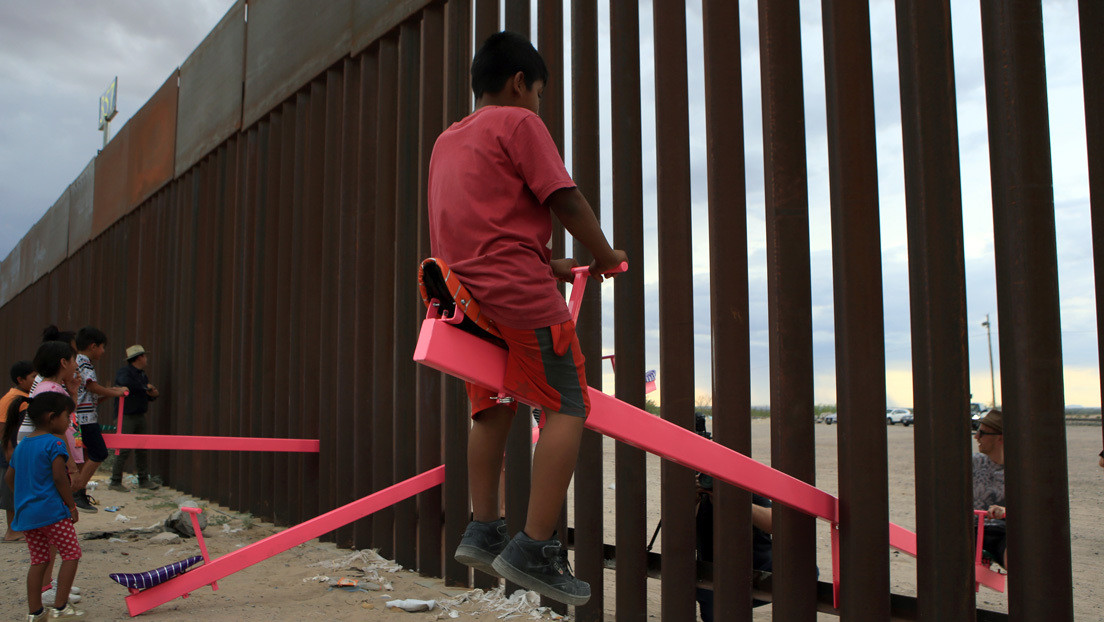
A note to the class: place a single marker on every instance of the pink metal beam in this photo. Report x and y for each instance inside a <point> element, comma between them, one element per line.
<point>261,550</point>
<point>209,443</point>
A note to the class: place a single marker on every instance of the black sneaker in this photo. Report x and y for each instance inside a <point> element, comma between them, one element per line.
<point>481,544</point>
<point>84,502</point>
<point>541,566</point>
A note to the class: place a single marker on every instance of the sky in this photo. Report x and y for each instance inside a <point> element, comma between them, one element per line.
<point>56,58</point>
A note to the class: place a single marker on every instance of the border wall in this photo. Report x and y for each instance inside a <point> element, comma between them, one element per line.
<point>258,225</point>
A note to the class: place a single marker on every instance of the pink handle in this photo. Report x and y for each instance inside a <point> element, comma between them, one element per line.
<point>194,514</point>
<point>119,421</point>
<point>578,286</point>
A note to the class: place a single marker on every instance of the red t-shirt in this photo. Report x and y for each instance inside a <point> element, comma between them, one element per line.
<point>489,177</point>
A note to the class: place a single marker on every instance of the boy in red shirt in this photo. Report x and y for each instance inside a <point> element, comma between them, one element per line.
<point>495,179</point>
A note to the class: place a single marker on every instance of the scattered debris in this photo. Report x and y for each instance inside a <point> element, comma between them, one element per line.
<point>411,604</point>
<point>369,564</point>
<point>165,538</point>
<point>366,559</point>
<point>123,518</point>
<point>520,604</point>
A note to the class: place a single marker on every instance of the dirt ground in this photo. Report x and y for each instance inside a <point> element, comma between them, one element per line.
<point>296,584</point>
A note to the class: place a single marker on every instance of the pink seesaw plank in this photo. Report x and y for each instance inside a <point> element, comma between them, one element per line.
<point>278,543</point>
<point>209,443</point>
<point>455,352</point>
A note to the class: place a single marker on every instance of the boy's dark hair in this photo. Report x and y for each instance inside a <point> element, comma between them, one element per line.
<point>503,55</point>
<point>22,369</point>
<point>90,336</point>
<point>39,408</point>
<point>51,333</point>
<point>47,361</point>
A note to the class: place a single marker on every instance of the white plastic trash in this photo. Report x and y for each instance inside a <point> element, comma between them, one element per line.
<point>412,604</point>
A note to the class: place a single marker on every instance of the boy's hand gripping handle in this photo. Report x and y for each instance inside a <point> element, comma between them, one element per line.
<point>582,274</point>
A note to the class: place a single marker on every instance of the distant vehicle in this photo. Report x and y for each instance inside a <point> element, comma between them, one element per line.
<point>896,415</point>
<point>830,418</point>
<point>976,417</point>
<point>907,420</point>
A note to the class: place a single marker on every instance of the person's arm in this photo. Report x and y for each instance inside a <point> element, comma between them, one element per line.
<point>571,207</point>
<point>71,466</point>
<point>151,391</point>
<point>561,269</point>
<point>97,389</point>
<point>761,517</point>
<point>72,385</point>
<point>61,482</point>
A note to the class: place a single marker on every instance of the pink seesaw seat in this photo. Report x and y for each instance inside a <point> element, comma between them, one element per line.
<point>157,576</point>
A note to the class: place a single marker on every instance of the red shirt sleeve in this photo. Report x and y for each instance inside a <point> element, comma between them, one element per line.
<point>537,159</point>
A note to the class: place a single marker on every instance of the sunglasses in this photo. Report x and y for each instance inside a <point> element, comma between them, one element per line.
<point>984,433</point>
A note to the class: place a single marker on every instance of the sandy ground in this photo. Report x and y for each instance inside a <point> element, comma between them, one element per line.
<point>289,586</point>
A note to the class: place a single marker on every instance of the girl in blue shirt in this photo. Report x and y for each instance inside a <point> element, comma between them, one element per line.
<point>44,507</point>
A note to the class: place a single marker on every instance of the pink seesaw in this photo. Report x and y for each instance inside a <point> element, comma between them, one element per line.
<point>444,347</point>
<point>118,441</point>
<point>212,570</point>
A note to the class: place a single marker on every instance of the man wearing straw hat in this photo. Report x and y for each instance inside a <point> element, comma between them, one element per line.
<point>133,377</point>
<point>988,467</point>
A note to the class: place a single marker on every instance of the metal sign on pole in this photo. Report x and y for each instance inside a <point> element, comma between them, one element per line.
<point>107,108</point>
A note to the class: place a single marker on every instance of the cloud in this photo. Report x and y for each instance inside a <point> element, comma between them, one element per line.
<point>56,58</point>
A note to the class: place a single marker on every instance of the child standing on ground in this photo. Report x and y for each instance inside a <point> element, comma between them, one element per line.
<point>495,179</point>
<point>91,344</point>
<point>22,377</point>
<point>56,364</point>
<point>44,507</point>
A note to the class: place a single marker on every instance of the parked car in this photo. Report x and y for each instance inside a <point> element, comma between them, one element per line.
<point>829,418</point>
<point>976,417</point>
<point>896,415</point>
<point>907,420</point>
